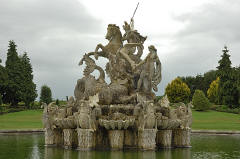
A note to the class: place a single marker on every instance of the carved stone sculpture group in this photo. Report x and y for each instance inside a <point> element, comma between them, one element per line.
<point>123,113</point>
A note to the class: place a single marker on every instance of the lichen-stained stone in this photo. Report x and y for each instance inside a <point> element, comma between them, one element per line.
<point>69,138</point>
<point>130,139</point>
<point>164,138</point>
<point>181,138</point>
<point>49,137</point>
<point>86,139</point>
<point>116,138</point>
<point>123,112</point>
<point>147,139</point>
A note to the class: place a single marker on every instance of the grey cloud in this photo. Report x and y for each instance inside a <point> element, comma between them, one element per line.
<point>197,47</point>
<point>55,34</point>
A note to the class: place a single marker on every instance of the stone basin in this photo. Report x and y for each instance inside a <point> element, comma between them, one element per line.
<point>116,124</point>
<point>168,123</point>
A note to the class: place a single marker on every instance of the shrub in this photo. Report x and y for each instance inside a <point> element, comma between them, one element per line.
<point>213,91</point>
<point>177,91</point>
<point>224,108</point>
<point>200,101</point>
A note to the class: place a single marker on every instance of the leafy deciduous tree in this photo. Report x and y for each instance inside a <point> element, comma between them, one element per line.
<point>46,94</point>
<point>213,91</point>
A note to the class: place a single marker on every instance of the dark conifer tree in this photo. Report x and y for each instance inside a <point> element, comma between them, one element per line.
<point>227,88</point>
<point>3,80</point>
<point>28,88</point>
<point>13,68</point>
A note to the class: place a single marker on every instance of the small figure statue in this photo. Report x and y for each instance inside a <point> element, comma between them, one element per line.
<point>150,76</point>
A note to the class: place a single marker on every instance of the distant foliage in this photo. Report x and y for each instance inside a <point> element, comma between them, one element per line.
<point>213,91</point>
<point>177,91</point>
<point>46,94</point>
<point>57,102</point>
<point>200,101</point>
<point>16,78</point>
<point>1,100</point>
<point>200,82</point>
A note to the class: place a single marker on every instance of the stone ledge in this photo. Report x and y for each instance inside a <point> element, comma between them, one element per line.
<point>193,131</point>
<point>23,131</point>
<point>227,132</point>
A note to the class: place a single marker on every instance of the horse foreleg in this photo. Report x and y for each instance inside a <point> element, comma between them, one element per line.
<point>99,46</point>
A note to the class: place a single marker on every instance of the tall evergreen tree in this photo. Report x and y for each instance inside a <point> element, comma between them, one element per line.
<point>227,87</point>
<point>28,88</point>
<point>46,94</point>
<point>13,68</point>
<point>3,80</point>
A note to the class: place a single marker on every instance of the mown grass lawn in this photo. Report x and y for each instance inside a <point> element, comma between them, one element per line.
<point>30,119</point>
<point>210,120</point>
<point>213,120</point>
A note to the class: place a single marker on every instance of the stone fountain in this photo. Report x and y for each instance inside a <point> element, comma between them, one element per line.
<point>124,113</point>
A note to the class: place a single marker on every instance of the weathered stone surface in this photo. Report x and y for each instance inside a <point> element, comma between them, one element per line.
<point>49,137</point>
<point>164,102</point>
<point>164,138</point>
<point>70,138</point>
<point>123,113</point>
<point>146,139</point>
<point>86,139</point>
<point>181,137</point>
<point>130,139</point>
<point>116,138</point>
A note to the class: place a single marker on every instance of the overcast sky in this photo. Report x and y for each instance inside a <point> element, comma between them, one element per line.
<point>188,34</point>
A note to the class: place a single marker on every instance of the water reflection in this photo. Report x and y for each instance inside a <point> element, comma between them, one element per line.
<point>203,146</point>
<point>35,150</point>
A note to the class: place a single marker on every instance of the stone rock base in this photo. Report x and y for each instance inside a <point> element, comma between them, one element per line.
<point>146,139</point>
<point>70,138</point>
<point>130,139</point>
<point>53,137</point>
<point>86,139</point>
<point>116,139</point>
<point>181,138</point>
<point>164,138</point>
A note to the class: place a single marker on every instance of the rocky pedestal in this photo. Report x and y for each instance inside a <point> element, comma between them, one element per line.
<point>130,139</point>
<point>116,138</point>
<point>49,137</point>
<point>53,137</point>
<point>146,139</point>
<point>164,138</point>
<point>69,138</point>
<point>181,137</point>
<point>86,139</point>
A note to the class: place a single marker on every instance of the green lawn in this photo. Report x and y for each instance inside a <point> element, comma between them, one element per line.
<point>30,119</point>
<point>213,120</point>
<point>210,120</point>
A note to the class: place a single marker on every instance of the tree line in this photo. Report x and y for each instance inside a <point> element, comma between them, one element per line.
<point>221,86</point>
<point>16,78</point>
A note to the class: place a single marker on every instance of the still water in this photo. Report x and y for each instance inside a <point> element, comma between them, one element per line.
<point>31,146</point>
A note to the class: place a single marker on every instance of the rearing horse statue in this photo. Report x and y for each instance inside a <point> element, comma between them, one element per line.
<point>114,36</point>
